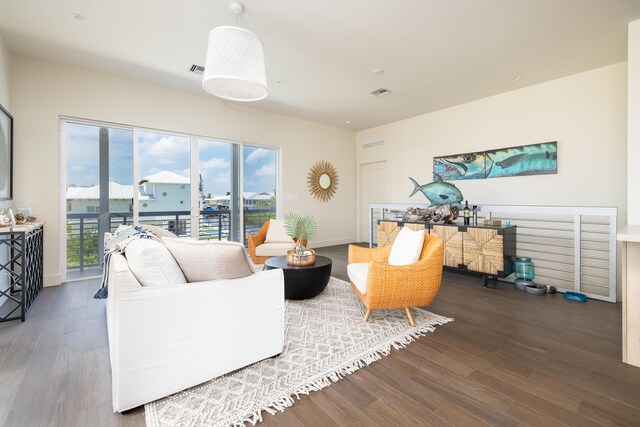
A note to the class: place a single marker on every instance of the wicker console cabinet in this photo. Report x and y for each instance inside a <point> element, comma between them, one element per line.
<point>483,249</point>
<point>21,269</point>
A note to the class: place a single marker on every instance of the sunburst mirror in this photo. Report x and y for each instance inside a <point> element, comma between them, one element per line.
<point>322,180</point>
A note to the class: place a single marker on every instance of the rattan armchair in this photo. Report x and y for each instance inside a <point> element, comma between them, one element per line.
<point>255,240</point>
<point>388,286</point>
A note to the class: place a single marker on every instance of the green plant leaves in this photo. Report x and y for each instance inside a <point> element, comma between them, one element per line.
<point>302,227</point>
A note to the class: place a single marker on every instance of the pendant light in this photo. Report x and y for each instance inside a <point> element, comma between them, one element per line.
<point>234,68</point>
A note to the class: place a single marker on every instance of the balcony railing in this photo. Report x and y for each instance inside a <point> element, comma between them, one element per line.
<point>83,236</point>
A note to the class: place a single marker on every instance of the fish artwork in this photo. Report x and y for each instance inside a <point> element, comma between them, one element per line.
<point>438,192</point>
<point>462,166</point>
<point>535,159</point>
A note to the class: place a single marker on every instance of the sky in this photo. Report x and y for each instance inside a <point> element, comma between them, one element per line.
<point>159,152</point>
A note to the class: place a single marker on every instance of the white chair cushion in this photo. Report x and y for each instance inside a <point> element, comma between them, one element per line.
<point>276,233</point>
<point>202,260</point>
<point>274,249</point>
<point>152,264</point>
<point>357,273</point>
<point>407,247</point>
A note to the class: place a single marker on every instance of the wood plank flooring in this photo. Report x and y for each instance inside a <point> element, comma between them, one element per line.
<point>508,359</point>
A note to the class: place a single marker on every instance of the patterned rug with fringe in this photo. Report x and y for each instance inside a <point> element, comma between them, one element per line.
<point>325,339</point>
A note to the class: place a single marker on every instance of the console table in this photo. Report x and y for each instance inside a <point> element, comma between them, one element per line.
<point>21,263</point>
<point>488,250</point>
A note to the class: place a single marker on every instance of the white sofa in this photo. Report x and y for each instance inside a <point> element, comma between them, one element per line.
<point>163,339</point>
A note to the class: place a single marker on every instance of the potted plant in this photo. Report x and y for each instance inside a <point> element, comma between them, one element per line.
<point>301,229</point>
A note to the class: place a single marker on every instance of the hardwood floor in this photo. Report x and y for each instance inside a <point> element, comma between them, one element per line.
<point>508,359</point>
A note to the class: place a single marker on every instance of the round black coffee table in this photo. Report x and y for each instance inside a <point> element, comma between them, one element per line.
<point>302,282</point>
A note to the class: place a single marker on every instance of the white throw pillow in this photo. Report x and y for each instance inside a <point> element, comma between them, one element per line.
<point>407,247</point>
<point>152,264</point>
<point>202,260</point>
<point>276,233</point>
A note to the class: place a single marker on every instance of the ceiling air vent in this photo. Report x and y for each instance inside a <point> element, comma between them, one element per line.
<point>197,69</point>
<point>381,92</point>
<point>371,145</point>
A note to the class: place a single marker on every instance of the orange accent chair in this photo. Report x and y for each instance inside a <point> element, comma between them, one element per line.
<point>389,286</point>
<point>255,240</point>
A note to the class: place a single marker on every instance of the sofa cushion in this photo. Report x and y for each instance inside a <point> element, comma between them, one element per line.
<point>276,233</point>
<point>357,273</point>
<point>274,249</point>
<point>407,247</point>
<point>202,260</point>
<point>152,264</point>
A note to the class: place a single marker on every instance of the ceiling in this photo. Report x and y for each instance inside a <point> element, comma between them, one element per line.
<point>435,53</point>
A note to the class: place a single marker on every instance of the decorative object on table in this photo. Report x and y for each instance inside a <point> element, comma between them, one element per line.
<point>467,212</point>
<point>533,159</point>
<point>475,215</point>
<point>312,359</point>
<point>6,154</point>
<point>575,296</point>
<point>445,213</point>
<point>438,192</point>
<point>301,258</point>
<point>20,218</point>
<point>322,180</point>
<point>494,222</point>
<point>301,228</point>
<point>24,209</point>
<point>234,68</point>
<point>524,268</point>
<point>5,218</point>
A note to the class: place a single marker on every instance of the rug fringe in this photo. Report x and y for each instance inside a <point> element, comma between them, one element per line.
<point>384,349</point>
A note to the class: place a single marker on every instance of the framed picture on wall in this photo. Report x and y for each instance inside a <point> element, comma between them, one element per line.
<point>6,154</point>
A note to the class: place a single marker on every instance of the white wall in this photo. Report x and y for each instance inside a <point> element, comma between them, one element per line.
<point>586,113</point>
<point>5,75</point>
<point>5,101</point>
<point>633,153</point>
<point>43,91</point>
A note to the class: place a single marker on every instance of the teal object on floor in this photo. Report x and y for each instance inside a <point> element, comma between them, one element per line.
<point>575,296</point>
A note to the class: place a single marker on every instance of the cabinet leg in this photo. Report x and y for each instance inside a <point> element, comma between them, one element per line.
<point>485,280</point>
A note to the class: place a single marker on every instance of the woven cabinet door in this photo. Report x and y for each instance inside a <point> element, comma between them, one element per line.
<point>483,250</point>
<point>452,243</point>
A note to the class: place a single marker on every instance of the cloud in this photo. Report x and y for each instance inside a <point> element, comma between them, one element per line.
<point>167,145</point>
<point>255,155</point>
<point>266,170</point>
<point>214,163</point>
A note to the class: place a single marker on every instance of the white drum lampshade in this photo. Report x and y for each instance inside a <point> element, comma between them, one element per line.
<point>235,69</point>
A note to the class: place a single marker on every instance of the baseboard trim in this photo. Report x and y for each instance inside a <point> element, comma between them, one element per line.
<point>52,280</point>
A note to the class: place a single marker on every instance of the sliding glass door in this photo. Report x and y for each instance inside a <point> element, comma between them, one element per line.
<point>99,191</point>
<point>259,187</point>
<point>189,185</point>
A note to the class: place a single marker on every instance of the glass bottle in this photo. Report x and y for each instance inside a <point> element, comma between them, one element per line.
<point>466,212</point>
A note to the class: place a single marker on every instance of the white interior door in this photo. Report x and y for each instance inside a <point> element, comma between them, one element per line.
<point>375,189</point>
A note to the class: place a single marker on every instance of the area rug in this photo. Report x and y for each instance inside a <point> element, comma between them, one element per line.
<point>325,339</point>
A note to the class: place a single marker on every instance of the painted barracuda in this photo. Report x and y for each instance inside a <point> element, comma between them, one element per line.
<point>462,166</point>
<point>536,159</point>
<point>438,192</point>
